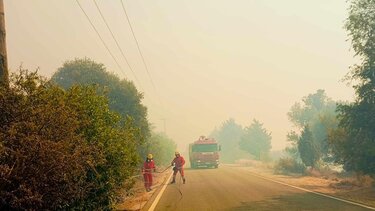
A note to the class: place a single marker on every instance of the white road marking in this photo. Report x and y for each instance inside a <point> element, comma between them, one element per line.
<point>310,191</point>
<point>153,205</point>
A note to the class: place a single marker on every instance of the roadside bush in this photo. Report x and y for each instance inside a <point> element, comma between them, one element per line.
<point>60,149</point>
<point>366,180</point>
<point>289,165</point>
<point>43,159</point>
<point>348,182</point>
<point>117,156</point>
<point>322,170</point>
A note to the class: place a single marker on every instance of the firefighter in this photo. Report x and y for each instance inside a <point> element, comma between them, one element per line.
<point>148,168</point>
<point>178,163</point>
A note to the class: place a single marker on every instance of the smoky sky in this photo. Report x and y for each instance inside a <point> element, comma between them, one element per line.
<point>210,60</point>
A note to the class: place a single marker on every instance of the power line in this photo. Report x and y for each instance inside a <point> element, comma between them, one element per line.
<point>117,44</point>
<point>139,49</point>
<point>100,37</point>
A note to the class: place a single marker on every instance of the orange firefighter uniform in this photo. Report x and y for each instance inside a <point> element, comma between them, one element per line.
<point>148,168</point>
<point>178,163</point>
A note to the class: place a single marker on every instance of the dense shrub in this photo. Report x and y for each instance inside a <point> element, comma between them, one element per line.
<point>60,149</point>
<point>117,155</point>
<point>289,165</point>
<point>43,159</point>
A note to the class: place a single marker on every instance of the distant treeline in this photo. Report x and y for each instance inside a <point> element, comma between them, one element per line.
<point>237,142</point>
<point>72,142</point>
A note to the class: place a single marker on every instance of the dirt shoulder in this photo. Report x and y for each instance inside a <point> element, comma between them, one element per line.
<point>137,197</point>
<point>338,187</point>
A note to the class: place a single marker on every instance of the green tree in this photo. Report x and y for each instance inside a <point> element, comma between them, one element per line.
<point>256,140</point>
<point>123,96</point>
<point>317,112</point>
<point>354,141</point>
<point>228,136</point>
<point>292,150</point>
<point>307,148</point>
<point>162,148</point>
<point>292,162</point>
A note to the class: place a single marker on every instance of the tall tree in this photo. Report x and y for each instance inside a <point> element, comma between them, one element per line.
<point>228,136</point>
<point>354,141</point>
<point>256,140</point>
<point>123,96</point>
<point>307,148</point>
<point>317,112</point>
<point>292,149</point>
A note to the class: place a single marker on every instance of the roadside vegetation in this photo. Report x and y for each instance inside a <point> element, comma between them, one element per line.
<point>340,133</point>
<point>314,117</point>
<point>73,142</point>
<point>328,136</point>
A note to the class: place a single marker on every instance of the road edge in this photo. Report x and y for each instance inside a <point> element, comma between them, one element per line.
<point>310,191</point>
<point>158,196</point>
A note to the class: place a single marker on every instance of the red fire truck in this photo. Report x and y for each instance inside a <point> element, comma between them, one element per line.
<point>204,153</point>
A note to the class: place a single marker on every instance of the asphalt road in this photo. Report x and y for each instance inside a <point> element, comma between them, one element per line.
<point>231,188</point>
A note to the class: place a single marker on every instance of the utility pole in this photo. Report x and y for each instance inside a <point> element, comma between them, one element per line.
<point>4,75</point>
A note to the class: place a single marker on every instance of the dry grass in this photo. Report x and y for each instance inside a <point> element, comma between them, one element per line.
<point>137,197</point>
<point>362,181</point>
<point>358,188</point>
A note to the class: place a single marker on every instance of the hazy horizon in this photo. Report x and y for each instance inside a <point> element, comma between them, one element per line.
<point>210,60</point>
